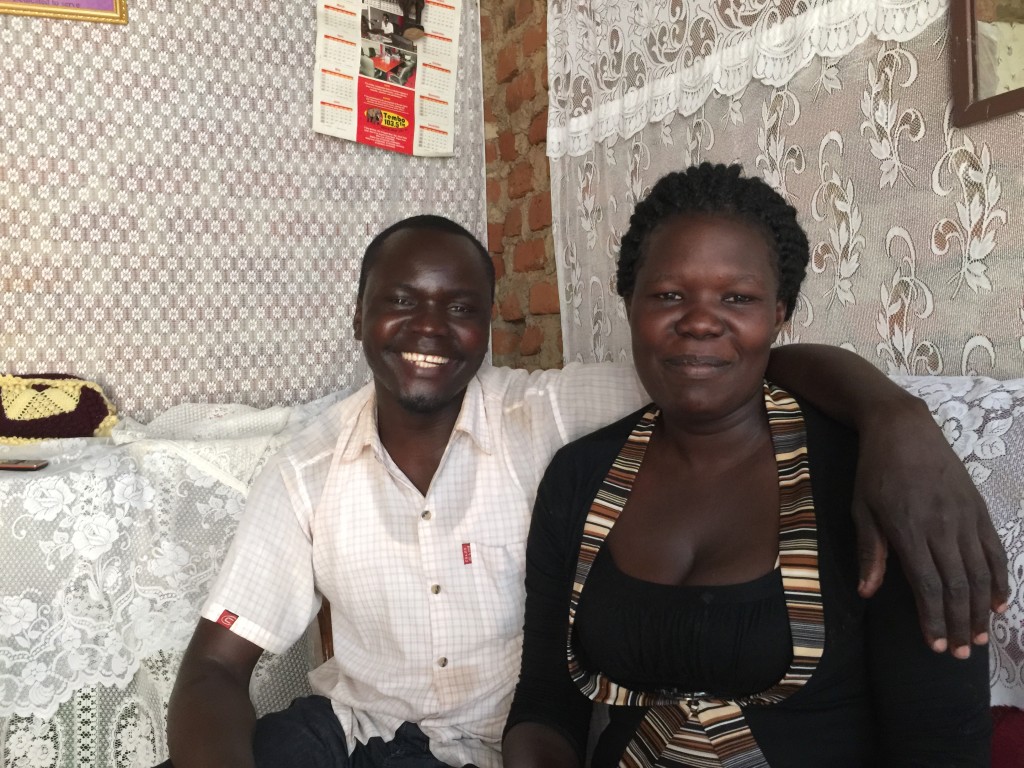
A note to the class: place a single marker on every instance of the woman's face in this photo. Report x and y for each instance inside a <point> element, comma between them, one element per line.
<point>703,315</point>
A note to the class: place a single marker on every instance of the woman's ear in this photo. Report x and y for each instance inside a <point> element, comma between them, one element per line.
<point>357,321</point>
<point>780,317</point>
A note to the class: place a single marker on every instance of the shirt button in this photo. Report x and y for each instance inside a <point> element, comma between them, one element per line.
<point>442,662</point>
<point>435,588</point>
<point>425,514</point>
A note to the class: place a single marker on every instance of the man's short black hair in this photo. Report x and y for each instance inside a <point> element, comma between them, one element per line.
<point>423,221</point>
<point>719,190</point>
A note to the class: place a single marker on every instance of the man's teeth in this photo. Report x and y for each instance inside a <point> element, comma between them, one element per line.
<point>424,361</point>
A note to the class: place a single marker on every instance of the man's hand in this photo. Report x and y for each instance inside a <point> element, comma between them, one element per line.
<point>912,490</point>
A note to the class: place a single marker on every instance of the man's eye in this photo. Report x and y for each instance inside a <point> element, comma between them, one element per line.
<point>739,298</point>
<point>668,296</point>
<point>401,301</point>
<point>461,308</point>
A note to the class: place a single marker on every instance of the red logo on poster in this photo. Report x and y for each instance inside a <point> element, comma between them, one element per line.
<point>227,618</point>
<point>467,554</point>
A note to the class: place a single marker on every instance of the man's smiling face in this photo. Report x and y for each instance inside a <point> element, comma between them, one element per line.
<point>424,319</point>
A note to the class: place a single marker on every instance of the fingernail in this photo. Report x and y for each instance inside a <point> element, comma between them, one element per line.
<point>1002,607</point>
<point>939,646</point>
<point>962,652</point>
<point>981,638</point>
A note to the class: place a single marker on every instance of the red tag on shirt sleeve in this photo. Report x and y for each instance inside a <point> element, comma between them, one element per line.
<point>227,618</point>
<point>467,554</point>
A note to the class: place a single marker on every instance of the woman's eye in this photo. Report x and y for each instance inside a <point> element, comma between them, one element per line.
<point>668,296</point>
<point>739,299</point>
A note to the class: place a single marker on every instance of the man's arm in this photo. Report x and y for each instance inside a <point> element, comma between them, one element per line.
<point>912,490</point>
<point>210,719</point>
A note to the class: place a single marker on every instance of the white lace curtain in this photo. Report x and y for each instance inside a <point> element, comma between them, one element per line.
<point>842,106</point>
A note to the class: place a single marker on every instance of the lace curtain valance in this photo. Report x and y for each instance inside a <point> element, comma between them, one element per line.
<point>618,65</point>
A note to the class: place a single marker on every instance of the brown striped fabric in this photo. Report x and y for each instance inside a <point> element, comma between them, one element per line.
<point>696,729</point>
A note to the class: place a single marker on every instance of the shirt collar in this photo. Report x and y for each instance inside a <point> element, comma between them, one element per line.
<point>363,431</point>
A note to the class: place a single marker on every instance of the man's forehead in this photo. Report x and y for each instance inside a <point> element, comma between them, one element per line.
<point>408,251</point>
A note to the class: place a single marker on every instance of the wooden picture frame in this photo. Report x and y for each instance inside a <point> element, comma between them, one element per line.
<point>968,106</point>
<point>110,11</point>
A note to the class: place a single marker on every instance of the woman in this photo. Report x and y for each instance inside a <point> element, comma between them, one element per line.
<point>693,565</point>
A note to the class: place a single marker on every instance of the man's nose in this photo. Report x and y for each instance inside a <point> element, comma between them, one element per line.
<point>429,318</point>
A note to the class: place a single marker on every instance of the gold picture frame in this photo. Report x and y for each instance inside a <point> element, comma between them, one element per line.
<point>109,11</point>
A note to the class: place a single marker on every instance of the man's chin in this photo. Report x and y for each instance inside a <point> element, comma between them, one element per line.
<point>422,404</point>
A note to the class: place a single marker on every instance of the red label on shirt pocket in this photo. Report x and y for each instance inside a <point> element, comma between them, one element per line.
<point>227,618</point>
<point>467,554</point>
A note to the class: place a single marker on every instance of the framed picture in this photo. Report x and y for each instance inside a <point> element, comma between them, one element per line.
<point>112,11</point>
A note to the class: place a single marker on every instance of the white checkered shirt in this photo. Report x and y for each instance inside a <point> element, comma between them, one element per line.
<point>427,591</point>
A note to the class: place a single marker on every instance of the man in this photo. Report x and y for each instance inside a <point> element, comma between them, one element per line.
<point>412,11</point>
<point>407,506</point>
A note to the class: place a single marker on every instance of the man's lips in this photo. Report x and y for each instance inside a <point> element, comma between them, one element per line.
<point>421,360</point>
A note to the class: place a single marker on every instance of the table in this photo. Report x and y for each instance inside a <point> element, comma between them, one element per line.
<point>107,556</point>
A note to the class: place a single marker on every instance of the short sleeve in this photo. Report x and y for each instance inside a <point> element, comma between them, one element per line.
<point>265,590</point>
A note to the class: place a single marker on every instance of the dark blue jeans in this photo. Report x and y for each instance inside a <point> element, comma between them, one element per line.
<point>308,735</point>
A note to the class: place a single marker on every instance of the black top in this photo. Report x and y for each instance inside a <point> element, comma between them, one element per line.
<point>879,695</point>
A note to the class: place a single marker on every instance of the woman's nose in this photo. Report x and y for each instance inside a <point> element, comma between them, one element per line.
<point>699,319</point>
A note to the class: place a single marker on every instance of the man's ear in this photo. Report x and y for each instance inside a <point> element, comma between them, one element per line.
<point>357,321</point>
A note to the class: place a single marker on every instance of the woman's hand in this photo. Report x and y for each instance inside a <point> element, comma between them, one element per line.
<point>914,492</point>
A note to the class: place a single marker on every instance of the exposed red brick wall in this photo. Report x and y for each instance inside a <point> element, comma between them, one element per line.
<point>527,325</point>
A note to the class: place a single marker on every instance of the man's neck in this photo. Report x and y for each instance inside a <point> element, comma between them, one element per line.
<point>416,442</point>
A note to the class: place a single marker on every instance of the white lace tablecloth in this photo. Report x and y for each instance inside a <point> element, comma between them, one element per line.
<point>107,555</point>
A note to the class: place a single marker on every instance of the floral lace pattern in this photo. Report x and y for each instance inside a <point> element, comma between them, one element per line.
<point>617,65</point>
<point>109,554</point>
<point>983,419</point>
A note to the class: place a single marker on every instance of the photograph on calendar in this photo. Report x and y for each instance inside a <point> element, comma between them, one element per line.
<point>385,73</point>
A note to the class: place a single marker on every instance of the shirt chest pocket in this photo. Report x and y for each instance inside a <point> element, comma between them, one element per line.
<point>498,584</point>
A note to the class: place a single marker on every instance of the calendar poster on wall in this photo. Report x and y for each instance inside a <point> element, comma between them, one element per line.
<point>385,73</point>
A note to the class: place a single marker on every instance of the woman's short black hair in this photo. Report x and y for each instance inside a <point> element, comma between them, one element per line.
<point>424,221</point>
<point>719,190</point>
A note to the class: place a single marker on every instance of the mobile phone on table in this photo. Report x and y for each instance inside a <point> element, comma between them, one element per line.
<point>23,465</point>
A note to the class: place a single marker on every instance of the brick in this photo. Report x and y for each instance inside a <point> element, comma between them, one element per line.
<point>490,152</point>
<point>532,341</point>
<point>495,235</point>
<point>538,131</point>
<point>523,10</point>
<point>520,91</point>
<point>489,116</point>
<point>520,180</point>
<point>486,28</point>
<point>544,299</point>
<point>493,191</point>
<point>507,64</point>
<point>514,221</point>
<point>503,342</point>
<point>535,38</point>
<point>539,216</point>
<point>510,308</point>
<point>529,255</point>
<point>507,146</point>
<point>499,266</point>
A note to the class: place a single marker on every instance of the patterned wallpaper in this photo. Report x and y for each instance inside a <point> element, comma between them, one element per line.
<point>170,225</point>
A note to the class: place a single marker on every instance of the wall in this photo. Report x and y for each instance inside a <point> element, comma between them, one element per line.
<point>170,225</point>
<point>526,329</point>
